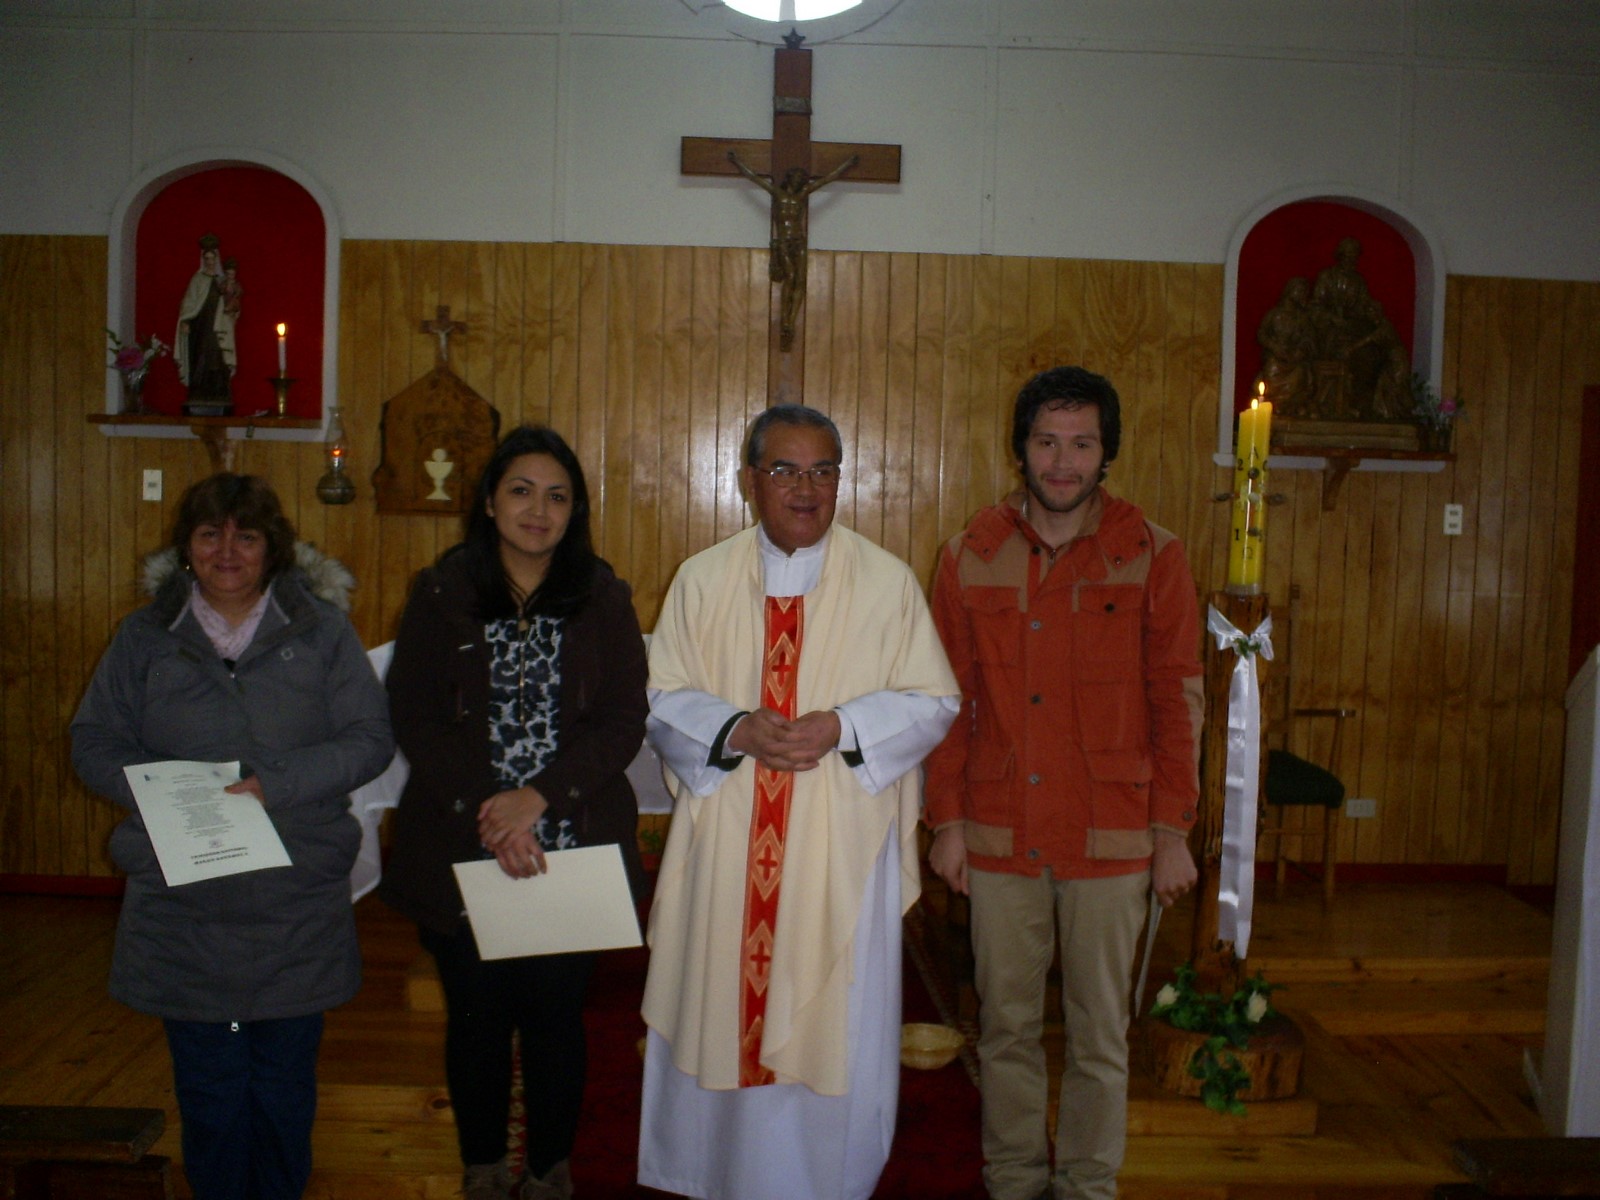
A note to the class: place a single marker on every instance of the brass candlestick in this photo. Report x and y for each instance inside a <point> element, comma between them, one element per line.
<point>280,384</point>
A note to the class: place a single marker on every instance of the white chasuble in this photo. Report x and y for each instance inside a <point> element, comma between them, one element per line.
<point>867,630</point>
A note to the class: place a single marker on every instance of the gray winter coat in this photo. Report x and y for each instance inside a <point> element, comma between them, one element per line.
<point>303,711</point>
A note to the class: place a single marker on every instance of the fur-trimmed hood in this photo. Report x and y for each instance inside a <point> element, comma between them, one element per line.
<point>324,576</point>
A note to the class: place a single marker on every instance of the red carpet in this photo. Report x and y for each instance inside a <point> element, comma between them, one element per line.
<point>935,1156</point>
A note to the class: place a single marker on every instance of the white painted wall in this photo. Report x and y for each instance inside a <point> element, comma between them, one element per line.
<point>1129,129</point>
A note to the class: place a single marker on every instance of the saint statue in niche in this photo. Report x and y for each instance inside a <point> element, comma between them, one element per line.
<point>204,346</point>
<point>1330,353</point>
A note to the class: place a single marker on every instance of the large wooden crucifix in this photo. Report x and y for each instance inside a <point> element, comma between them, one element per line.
<point>789,167</point>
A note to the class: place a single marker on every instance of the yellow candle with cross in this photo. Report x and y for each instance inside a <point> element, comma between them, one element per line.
<point>1248,534</point>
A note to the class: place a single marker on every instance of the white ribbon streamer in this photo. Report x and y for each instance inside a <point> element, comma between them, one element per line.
<point>1237,890</point>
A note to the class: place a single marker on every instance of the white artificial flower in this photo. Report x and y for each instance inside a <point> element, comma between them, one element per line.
<point>1256,1008</point>
<point>1167,995</point>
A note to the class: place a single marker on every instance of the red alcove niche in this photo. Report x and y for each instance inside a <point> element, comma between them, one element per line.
<point>274,228</point>
<point>1299,235</point>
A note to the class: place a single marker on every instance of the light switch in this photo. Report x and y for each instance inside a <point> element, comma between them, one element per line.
<point>152,485</point>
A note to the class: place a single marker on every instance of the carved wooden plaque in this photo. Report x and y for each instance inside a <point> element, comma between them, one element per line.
<point>436,436</point>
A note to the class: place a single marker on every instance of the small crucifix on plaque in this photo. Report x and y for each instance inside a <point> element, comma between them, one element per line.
<point>790,167</point>
<point>442,327</point>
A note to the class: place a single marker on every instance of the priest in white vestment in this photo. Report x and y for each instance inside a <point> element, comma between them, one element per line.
<point>796,682</point>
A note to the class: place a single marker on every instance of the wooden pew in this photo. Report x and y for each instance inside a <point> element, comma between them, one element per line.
<point>1533,1168</point>
<point>82,1154</point>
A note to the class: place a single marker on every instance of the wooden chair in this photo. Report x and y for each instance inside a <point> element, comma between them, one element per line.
<point>1293,782</point>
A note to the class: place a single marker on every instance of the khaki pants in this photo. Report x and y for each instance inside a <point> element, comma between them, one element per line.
<point>1015,922</point>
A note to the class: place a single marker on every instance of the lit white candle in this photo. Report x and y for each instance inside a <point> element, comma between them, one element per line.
<point>283,355</point>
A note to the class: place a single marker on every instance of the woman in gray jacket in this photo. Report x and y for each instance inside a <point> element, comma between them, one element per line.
<point>239,658</point>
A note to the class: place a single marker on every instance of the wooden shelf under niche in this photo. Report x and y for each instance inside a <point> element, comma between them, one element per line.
<point>1344,459</point>
<point>214,431</point>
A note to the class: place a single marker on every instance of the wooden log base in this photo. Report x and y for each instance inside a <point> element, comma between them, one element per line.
<point>1273,1059</point>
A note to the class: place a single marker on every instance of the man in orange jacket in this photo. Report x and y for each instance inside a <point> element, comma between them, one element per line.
<point>1064,792</point>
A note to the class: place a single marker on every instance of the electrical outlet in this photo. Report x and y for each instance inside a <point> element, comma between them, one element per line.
<point>1361,806</point>
<point>152,485</point>
<point>1453,518</point>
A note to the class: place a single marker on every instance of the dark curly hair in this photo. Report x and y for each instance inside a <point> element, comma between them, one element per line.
<point>1067,387</point>
<point>246,500</point>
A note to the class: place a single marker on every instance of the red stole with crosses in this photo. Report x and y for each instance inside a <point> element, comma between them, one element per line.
<point>769,823</point>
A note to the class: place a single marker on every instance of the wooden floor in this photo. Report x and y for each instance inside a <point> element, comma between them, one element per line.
<point>1418,1003</point>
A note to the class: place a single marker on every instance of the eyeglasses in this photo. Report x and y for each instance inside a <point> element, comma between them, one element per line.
<point>824,476</point>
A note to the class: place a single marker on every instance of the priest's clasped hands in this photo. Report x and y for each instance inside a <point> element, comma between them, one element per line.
<point>783,745</point>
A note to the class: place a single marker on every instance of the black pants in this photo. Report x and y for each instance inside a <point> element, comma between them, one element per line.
<point>247,1093</point>
<point>542,999</point>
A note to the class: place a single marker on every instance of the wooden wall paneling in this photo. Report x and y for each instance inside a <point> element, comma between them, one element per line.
<point>585,429</point>
<point>1148,363</point>
<point>1534,797</point>
<point>704,465</point>
<point>1454,795</point>
<point>567,284</point>
<point>871,386</point>
<point>38,483</point>
<point>1043,341</point>
<point>1362,656</point>
<point>1319,674</point>
<point>361,410</point>
<point>1378,674</point>
<point>923,419</point>
<point>1179,487</point>
<point>470,274</point>
<point>535,336</point>
<point>1487,604</point>
<point>1071,346</point>
<point>18,277</point>
<point>409,355</point>
<point>676,454</point>
<point>642,449</point>
<point>816,342</point>
<point>101,521</point>
<point>953,469</point>
<point>984,460</point>
<point>1512,788</point>
<point>742,300</point>
<point>653,359</point>
<point>1398,806</point>
<point>894,411</point>
<point>1200,529</point>
<point>77,375</point>
<point>1580,366</point>
<point>624,337</point>
<point>509,332</point>
<point>757,355</point>
<point>1011,365</point>
<point>833,376</point>
<point>1424,841</point>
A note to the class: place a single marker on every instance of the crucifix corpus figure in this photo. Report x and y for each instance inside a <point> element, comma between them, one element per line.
<point>790,207</point>
<point>442,327</point>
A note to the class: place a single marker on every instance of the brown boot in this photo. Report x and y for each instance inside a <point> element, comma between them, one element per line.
<point>491,1181</point>
<point>556,1185</point>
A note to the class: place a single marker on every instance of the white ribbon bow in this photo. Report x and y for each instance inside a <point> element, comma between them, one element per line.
<point>1237,890</point>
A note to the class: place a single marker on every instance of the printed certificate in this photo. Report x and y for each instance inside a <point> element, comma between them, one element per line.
<point>581,902</point>
<point>198,830</point>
